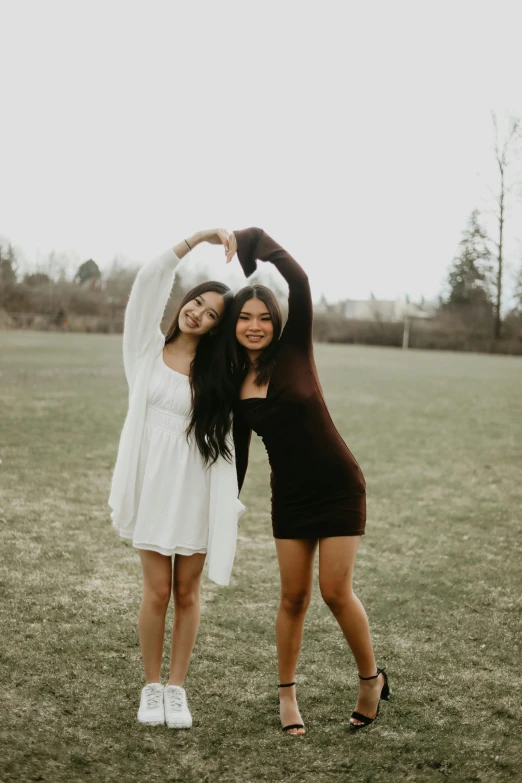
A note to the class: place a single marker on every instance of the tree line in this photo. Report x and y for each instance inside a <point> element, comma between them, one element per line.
<point>470,313</point>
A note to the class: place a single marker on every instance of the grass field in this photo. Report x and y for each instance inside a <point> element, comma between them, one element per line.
<point>439,438</point>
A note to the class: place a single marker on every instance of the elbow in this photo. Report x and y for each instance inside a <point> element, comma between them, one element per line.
<point>143,274</point>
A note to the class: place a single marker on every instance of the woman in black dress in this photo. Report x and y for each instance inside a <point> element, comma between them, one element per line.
<point>318,489</point>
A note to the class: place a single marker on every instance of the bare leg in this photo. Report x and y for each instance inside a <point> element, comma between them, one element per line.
<point>157,579</point>
<point>336,564</point>
<point>296,559</point>
<point>186,589</point>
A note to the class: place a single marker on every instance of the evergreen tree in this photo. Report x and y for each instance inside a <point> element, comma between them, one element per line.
<point>470,277</point>
<point>88,271</point>
<point>8,266</point>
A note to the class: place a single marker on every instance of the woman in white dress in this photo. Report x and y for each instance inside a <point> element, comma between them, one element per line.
<point>174,488</point>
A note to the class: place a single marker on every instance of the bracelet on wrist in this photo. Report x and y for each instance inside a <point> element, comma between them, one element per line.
<point>187,244</point>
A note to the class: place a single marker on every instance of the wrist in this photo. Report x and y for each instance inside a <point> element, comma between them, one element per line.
<point>195,239</point>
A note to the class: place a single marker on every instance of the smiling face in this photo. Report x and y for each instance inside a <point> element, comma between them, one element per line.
<point>201,314</point>
<point>254,327</point>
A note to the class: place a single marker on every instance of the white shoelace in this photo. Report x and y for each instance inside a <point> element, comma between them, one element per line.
<point>153,697</point>
<point>175,698</point>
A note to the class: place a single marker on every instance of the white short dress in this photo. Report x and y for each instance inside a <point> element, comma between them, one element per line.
<point>172,487</point>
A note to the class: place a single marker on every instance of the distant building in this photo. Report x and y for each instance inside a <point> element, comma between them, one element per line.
<point>390,310</point>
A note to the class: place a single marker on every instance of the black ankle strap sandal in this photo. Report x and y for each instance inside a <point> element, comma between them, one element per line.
<point>292,725</point>
<point>385,696</point>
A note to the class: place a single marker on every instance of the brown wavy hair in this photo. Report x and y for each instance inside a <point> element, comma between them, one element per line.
<point>209,385</point>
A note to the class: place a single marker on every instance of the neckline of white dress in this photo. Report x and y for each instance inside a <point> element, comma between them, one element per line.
<point>170,369</point>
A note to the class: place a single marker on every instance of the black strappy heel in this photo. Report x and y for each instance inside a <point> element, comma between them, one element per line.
<point>385,695</point>
<point>292,725</point>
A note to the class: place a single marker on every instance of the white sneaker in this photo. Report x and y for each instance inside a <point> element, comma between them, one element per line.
<point>151,709</point>
<point>177,713</point>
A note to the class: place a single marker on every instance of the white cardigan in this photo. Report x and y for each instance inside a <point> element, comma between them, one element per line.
<point>143,341</point>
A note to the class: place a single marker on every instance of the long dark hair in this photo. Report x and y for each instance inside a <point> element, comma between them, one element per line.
<point>236,353</point>
<point>209,385</point>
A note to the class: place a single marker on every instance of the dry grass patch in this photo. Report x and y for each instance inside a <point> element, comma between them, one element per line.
<point>438,437</point>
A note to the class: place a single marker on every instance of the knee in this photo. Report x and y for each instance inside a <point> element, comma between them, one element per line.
<point>158,597</point>
<point>336,597</point>
<point>295,602</point>
<point>186,595</point>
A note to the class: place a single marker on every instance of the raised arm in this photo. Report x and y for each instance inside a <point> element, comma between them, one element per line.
<point>254,244</point>
<point>150,294</point>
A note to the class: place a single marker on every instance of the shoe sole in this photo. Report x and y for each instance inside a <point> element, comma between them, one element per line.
<point>151,722</point>
<point>184,725</point>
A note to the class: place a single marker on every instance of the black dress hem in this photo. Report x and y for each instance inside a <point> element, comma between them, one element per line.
<point>327,534</point>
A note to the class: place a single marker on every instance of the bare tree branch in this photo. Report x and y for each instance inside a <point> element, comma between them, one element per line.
<point>504,153</point>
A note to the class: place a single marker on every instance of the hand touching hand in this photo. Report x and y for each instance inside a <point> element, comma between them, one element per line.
<point>232,247</point>
<point>215,236</point>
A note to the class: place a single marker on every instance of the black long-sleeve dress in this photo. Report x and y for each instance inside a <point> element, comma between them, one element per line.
<point>318,489</point>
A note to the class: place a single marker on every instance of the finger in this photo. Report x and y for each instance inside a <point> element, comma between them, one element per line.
<point>232,249</point>
<point>225,238</point>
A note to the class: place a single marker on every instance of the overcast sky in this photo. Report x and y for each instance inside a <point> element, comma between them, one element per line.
<point>358,134</point>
